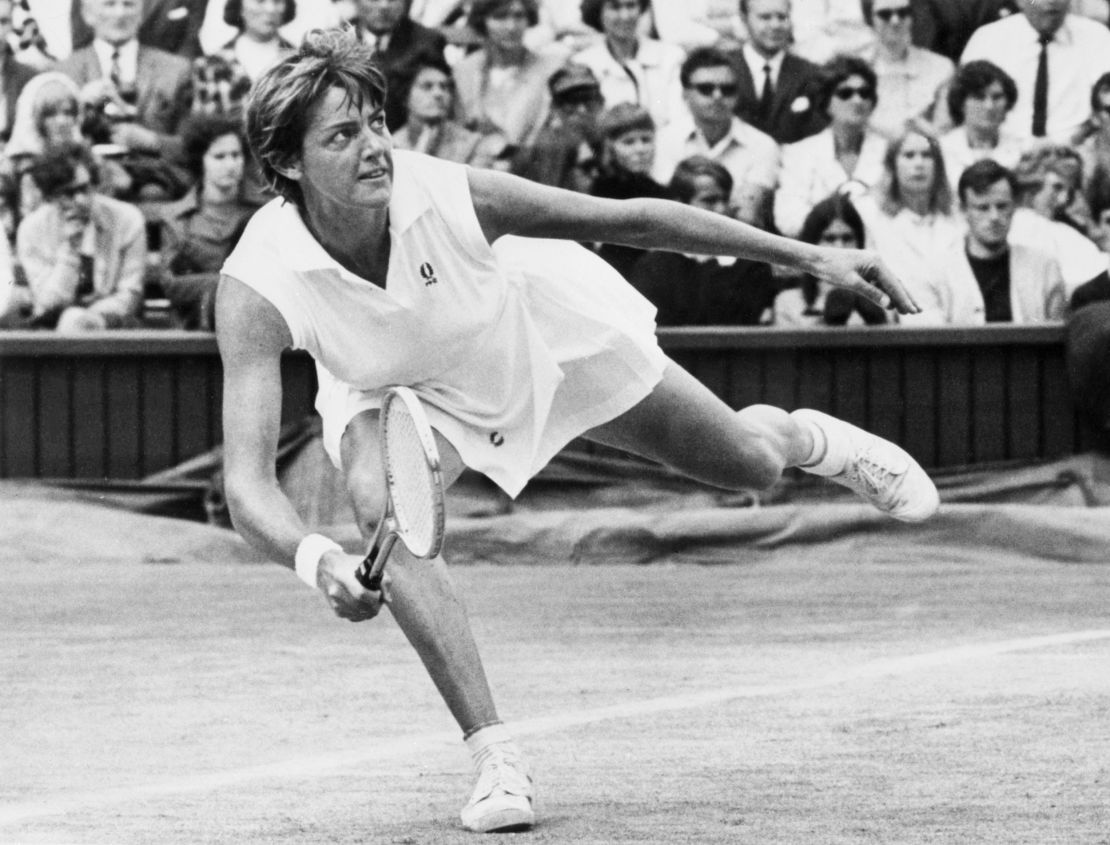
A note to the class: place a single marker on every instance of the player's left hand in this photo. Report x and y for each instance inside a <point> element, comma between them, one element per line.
<point>865,273</point>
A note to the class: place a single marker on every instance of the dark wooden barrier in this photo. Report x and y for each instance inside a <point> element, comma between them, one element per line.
<point>129,404</point>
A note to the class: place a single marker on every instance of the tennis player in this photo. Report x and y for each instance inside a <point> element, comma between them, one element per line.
<point>397,268</point>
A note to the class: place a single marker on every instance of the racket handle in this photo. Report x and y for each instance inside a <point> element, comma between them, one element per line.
<point>369,573</point>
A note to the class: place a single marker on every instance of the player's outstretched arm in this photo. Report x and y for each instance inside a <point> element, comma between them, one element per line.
<point>252,336</point>
<point>508,205</point>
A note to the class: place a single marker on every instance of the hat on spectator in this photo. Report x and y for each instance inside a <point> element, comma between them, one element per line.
<point>573,77</point>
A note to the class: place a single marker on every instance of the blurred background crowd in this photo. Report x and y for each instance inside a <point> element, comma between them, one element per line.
<point>967,141</point>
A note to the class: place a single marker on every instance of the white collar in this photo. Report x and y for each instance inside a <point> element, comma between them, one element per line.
<point>756,62</point>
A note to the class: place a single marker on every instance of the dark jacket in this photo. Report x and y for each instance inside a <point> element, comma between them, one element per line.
<point>794,106</point>
<point>689,292</point>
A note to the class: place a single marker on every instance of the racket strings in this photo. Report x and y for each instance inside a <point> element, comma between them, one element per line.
<point>411,480</point>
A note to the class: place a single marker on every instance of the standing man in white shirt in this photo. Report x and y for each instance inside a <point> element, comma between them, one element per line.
<point>778,90</point>
<point>1054,57</point>
<point>710,87</point>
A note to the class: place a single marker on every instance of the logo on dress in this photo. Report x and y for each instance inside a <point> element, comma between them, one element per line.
<point>495,438</point>
<point>428,274</point>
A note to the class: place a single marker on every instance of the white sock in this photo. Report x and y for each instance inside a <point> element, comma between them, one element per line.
<point>480,742</point>
<point>829,455</point>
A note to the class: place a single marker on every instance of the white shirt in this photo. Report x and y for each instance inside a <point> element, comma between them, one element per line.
<point>1077,56</point>
<point>757,65</point>
<point>1079,259</point>
<point>128,59</point>
<point>650,79</point>
<point>52,17</point>
<point>824,28</point>
<point>750,156</point>
<point>907,88</point>
<point>960,155</point>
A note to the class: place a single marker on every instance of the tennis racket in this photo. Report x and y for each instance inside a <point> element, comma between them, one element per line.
<point>414,504</point>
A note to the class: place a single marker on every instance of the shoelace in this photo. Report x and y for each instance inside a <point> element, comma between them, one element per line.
<point>499,770</point>
<point>875,474</point>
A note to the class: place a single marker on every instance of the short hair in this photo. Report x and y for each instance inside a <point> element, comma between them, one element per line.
<point>590,11</point>
<point>198,133</point>
<point>622,118</point>
<point>233,13</point>
<point>1044,158</point>
<point>701,58</point>
<point>890,192</point>
<point>278,104</point>
<point>682,186</point>
<point>1101,84</point>
<point>982,175</point>
<point>481,10</point>
<point>57,167</point>
<point>973,80</point>
<point>839,68</point>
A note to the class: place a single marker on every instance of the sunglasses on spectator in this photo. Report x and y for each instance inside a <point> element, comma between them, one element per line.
<point>706,89</point>
<point>849,91</point>
<point>887,15</point>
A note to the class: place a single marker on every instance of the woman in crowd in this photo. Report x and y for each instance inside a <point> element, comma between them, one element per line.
<point>200,230</point>
<point>848,155</point>
<point>1093,143</point>
<point>832,222</point>
<point>221,80</point>
<point>502,86</point>
<point>427,89</point>
<point>713,290</point>
<point>909,216</point>
<point>632,68</point>
<point>628,150</point>
<point>979,99</point>
<point>47,115</point>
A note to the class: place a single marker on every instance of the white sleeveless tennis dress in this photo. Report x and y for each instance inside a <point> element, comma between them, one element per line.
<point>515,350</point>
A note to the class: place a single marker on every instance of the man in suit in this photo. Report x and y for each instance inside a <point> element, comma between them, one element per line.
<point>396,38</point>
<point>778,90</point>
<point>170,25</point>
<point>137,95</point>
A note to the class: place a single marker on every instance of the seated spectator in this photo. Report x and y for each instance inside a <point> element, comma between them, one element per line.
<point>84,254</point>
<point>992,279</point>
<point>222,79</point>
<point>1092,142</point>
<point>778,90</point>
<point>711,128</point>
<point>135,98</point>
<point>833,222</point>
<point>628,150</point>
<point>46,116</point>
<point>846,156</point>
<point>713,290</point>
<point>215,32</point>
<point>908,216</point>
<point>565,153</point>
<point>169,25</point>
<point>630,67</point>
<point>14,74</point>
<point>397,39</point>
<point>910,78</point>
<point>979,98</point>
<point>1076,51</point>
<point>427,89</point>
<point>200,229</point>
<point>503,87</point>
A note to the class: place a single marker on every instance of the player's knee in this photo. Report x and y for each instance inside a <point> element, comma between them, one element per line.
<point>366,489</point>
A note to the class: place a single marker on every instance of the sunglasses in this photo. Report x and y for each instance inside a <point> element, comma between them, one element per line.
<point>706,89</point>
<point>887,15</point>
<point>848,92</point>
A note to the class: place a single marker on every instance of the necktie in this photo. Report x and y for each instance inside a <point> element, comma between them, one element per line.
<point>114,72</point>
<point>768,94</point>
<point>1040,90</point>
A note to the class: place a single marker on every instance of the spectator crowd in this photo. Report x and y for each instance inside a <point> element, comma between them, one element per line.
<point>967,141</point>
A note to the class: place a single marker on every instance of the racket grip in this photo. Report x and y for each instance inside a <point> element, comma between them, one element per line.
<point>363,573</point>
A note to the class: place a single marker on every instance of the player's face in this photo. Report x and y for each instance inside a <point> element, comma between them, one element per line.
<point>223,163</point>
<point>506,25</point>
<point>114,21</point>
<point>261,18</point>
<point>915,168</point>
<point>768,23</point>
<point>634,151</point>
<point>1045,16</point>
<point>709,194</point>
<point>986,109</point>
<point>347,155</point>
<point>989,214</point>
<point>620,17</point>
<point>430,95</point>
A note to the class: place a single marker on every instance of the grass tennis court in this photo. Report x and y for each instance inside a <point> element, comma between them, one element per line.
<point>158,687</point>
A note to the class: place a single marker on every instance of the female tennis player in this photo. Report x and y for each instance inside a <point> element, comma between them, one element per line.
<point>397,268</point>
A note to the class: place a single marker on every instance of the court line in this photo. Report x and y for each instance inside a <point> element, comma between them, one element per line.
<point>300,768</point>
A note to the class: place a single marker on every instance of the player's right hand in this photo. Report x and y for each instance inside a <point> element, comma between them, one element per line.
<point>347,597</point>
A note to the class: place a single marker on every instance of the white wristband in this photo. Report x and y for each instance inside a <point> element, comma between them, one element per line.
<point>309,551</point>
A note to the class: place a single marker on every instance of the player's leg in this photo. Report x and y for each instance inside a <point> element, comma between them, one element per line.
<point>429,611</point>
<point>682,424</point>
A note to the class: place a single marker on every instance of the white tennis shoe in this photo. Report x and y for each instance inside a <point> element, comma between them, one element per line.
<point>502,797</point>
<point>877,470</point>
